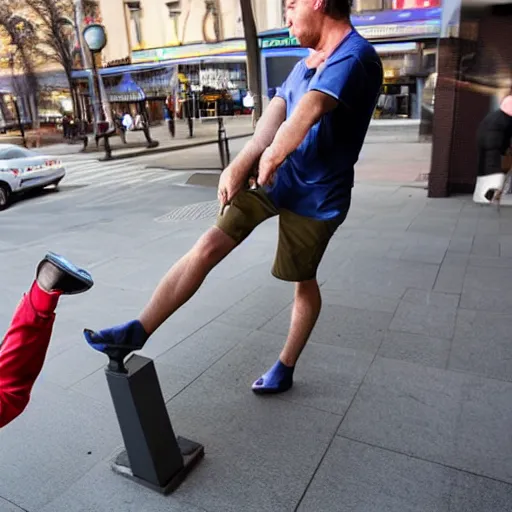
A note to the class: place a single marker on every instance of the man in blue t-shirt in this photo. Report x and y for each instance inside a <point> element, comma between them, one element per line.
<point>307,143</point>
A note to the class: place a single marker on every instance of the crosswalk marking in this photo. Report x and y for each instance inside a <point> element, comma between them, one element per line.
<point>112,181</point>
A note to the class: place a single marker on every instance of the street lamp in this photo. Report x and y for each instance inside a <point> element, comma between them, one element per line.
<point>96,39</point>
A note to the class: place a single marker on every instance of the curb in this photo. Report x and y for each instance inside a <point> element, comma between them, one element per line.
<point>179,147</point>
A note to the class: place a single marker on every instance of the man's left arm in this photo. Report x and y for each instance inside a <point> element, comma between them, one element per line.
<point>338,83</point>
<point>309,111</point>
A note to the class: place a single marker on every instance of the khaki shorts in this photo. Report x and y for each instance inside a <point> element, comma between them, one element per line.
<point>302,240</point>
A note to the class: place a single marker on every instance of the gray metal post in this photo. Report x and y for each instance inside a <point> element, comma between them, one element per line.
<point>153,456</point>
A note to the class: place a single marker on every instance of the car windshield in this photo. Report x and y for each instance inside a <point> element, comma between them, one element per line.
<point>11,153</point>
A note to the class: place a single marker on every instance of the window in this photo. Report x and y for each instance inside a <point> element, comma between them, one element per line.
<point>11,153</point>
<point>368,5</point>
<point>135,24</point>
<point>174,10</point>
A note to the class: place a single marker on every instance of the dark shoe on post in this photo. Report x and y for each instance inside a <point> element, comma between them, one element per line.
<point>57,274</point>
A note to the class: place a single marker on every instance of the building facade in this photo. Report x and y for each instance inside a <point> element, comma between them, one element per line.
<point>204,40</point>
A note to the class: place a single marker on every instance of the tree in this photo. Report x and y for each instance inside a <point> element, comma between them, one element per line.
<point>23,38</point>
<point>57,39</point>
<point>253,55</point>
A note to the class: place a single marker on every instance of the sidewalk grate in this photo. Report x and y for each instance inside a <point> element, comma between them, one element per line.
<point>196,211</point>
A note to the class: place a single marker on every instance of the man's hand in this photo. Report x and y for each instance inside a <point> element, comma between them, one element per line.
<point>231,182</point>
<point>235,175</point>
<point>267,168</point>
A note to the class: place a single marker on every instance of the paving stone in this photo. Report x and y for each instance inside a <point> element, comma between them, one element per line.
<point>383,276</point>
<point>6,506</point>
<point>355,477</point>
<point>102,490</point>
<point>471,493</point>
<point>451,274</point>
<point>415,348</point>
<point>260,454</point>
<point>456,419</point>
<point>482,344</point>
<point>490,261</point>
<point>326,377</point>
<point>428,313</point>
<point>486,289</point>
<point>486,245</point>
<point>358,329</point>
<point>73,365</point>
<point>354,298</point>
<point>257,308</point>
<point>58,439</point>
<point>425,253</point>
<point>199,351</point>
<point>461,244</point>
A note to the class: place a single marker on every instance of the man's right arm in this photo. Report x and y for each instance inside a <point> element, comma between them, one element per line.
<point>268,125</point>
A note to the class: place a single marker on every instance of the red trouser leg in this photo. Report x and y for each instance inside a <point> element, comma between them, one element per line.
<point>23,350</point>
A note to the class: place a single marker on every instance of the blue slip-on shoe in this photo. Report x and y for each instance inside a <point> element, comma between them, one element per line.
<point>119,341</point>
<point>277,380</point>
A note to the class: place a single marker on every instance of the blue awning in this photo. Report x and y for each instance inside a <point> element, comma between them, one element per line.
<point>126,90</point>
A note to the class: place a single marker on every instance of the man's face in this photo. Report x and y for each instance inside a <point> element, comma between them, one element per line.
<point>304,18</point>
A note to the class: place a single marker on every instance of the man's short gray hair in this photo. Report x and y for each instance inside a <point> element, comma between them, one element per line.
<point>338,8</point>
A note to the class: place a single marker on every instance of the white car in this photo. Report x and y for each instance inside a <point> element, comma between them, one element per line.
<point>23,169</point>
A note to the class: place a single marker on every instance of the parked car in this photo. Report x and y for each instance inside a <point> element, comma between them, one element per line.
<point>24,169</point>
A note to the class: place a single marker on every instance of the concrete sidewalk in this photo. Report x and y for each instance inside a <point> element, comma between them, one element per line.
<point>402,400</point>
<point>205,132</point>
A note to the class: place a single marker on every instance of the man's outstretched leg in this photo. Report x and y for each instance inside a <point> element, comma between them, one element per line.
<point>305,312</point>
<point>182,281</point>
<point>177,287</point>
<point>24,347</point>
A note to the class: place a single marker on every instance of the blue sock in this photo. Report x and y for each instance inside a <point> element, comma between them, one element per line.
<point>131,334</point>
<point>277,380</point>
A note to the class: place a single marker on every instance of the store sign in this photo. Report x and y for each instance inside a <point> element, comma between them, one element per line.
<point>188,51</point>
<point>279,42</point>
<point>431,28</point>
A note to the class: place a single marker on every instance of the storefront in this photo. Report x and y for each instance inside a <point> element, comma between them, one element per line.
<point>212,75</point>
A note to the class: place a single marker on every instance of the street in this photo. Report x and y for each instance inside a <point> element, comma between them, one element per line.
<point>402,399</point>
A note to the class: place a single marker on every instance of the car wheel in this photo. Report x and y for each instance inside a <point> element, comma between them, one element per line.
<point>5,195</point>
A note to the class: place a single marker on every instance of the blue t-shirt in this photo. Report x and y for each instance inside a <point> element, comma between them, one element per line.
<point>316,180</point>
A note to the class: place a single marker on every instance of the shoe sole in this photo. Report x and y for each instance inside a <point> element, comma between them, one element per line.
<point>55,260</point>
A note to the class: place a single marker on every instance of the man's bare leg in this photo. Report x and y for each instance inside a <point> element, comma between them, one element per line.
<point>306,309</point>
<point>185,277</point>
<point>176,288</point>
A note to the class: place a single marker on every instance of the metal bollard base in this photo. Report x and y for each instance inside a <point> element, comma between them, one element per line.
<point>191,452</point>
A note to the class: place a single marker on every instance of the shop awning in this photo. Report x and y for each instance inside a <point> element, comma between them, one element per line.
<point>127,90</point>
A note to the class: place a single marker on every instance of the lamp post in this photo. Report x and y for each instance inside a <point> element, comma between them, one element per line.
<point>96,39</point>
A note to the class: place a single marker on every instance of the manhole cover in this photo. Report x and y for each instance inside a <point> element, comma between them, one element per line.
<point>196,211</point>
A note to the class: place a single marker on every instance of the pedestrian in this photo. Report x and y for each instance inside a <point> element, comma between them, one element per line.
<point>23,349</point>
<point>307,142</point>
<point>493,140</point>
<point>169,108</point>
